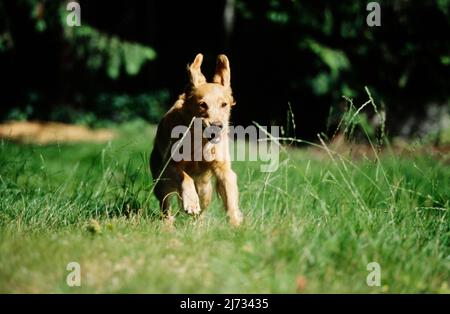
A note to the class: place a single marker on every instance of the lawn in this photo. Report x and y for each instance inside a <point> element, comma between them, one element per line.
<point>311,226</point>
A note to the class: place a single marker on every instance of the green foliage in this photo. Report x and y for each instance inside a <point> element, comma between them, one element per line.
<point>107,52</point>
<point>342,52</point>
<point>97,50</point>
<point>26,112</point>
<point>109,107</point>
<point>335,60</point>
<point>278,17</point>
<point>318,23</point>
<point>445,60</point>
<point>19,114</point>
<point>444,6</point>
<point>5,35</point>
<point>147,106</point>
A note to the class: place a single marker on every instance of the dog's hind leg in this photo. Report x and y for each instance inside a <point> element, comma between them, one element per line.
<point>165,189</point>
<point>166,209</point>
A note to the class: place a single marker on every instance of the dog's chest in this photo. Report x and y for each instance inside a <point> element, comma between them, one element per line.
<point>206,151</point>
<point>197,168</point>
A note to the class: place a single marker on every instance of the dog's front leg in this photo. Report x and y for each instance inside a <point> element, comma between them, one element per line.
<point>228,190</point>
<point>189,196</point>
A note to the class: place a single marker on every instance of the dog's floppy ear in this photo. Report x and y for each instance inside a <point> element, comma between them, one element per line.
<point>195,73</point>
<point>222,75</point>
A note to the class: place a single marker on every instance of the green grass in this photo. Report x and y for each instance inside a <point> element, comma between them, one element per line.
<point>319,218</point>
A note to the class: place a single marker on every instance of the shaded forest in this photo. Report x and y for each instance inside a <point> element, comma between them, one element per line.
<point>128,59</point>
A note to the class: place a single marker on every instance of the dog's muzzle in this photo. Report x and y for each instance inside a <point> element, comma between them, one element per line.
<point>212,131</point>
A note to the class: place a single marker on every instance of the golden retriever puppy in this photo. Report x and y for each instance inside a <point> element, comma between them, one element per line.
<point>190,177</point>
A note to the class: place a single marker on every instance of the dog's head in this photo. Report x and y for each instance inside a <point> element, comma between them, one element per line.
<point>211,102</point>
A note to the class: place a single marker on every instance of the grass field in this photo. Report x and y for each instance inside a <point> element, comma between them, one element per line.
<point>311,226</point>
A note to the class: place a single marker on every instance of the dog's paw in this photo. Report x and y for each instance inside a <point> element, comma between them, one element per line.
<point>236,218</point>
<point>191,203</point>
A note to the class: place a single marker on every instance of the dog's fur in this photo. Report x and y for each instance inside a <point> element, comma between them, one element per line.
<point>191,180</point>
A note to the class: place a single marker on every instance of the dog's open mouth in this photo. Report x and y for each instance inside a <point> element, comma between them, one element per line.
<point>211,132</point>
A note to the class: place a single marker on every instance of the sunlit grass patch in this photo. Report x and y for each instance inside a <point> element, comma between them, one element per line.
<point>322,217</point>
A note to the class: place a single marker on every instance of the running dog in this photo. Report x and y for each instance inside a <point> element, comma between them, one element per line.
<point>191,178</point>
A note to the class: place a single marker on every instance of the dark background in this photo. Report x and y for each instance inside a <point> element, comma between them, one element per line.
<point>305,53</point>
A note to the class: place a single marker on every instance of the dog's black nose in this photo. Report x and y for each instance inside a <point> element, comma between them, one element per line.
<point>217,125</point>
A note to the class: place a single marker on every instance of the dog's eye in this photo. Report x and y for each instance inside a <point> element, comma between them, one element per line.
<point>224,104</point>
<point>203,105</point>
